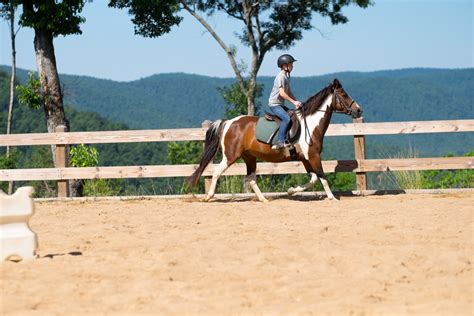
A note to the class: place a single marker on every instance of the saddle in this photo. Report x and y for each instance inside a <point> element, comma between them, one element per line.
<point>269,125</point>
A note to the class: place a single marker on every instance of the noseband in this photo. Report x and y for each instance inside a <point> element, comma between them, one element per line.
<point>348,108</point>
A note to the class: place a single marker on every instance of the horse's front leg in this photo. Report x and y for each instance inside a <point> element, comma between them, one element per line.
<point>326,187</point>
<point>305,187</point>
<point>317,167</point>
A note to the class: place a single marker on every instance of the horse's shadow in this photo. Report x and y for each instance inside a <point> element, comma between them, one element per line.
<point>300,198</point>
<point>282,197</point>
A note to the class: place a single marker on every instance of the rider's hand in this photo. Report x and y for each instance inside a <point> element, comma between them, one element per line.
<point>298,104</point>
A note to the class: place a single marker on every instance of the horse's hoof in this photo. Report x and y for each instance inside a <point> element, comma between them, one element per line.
<point>332,198</point>
<point>265,201</point>
<point>291,191</point>
<point>206,199</point>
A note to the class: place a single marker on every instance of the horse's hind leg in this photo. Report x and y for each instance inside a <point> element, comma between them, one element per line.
<point>218,171</point>
<point>251,177</point>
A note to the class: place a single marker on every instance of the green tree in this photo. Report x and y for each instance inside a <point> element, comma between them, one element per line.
<point>448,179</point>
<point>185,153</point>
<point>236,101</point>
<point>267,25</point>
<point>83,156</point>
<point>30,94</point>
<point>41,157</point>
<point>7,11</point>
<point>49,19</point>
<point>87,156</point>
<point>9,161</point>
<point>151,18</point>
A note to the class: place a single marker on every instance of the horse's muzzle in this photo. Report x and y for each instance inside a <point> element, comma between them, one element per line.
<point>357,113</point>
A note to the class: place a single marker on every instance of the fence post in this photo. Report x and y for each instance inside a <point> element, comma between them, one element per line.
<point>359,154</point>
<point>61,161</point>
<point>207,180</point>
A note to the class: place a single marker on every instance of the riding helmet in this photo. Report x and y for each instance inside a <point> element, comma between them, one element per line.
<point>285,60</point>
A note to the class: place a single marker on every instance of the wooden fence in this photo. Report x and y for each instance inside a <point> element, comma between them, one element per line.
<point>360,165</point>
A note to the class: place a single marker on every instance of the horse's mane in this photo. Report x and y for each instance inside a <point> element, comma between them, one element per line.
<point>316,101</point>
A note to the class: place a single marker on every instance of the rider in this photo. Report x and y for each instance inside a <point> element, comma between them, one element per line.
<point>281,91</point>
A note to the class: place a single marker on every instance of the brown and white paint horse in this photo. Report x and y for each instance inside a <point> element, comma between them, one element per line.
<point>236,138</point>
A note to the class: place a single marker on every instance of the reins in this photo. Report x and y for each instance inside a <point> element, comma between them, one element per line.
<point>306,129</point>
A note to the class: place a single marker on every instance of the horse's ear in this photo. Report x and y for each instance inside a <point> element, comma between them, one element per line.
<point>336,84</point>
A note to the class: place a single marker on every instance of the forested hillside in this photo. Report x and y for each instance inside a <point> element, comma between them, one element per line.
<point>92,104</point>
<point>183,100</point>
<point>27,120</point>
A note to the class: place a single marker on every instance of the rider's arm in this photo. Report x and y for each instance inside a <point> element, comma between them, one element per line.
<point>289,97</point>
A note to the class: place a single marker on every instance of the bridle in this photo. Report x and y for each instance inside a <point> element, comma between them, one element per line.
<point>348,108</point>
<point>337,98</point>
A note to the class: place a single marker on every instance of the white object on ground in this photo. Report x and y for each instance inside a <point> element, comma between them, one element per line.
<point>16,237</point>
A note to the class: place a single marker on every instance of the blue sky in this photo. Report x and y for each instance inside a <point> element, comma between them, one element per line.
<point>387,35</point>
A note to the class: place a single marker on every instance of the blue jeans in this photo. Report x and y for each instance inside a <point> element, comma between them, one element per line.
<point>285,120</point>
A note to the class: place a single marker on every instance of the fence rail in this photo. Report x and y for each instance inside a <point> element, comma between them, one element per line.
<point>164,171</point>
<point>358,129</point>
<point>188,134</point>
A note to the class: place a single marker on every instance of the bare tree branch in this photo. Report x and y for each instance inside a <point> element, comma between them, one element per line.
<point>258,28</point>
<point>227,49</point>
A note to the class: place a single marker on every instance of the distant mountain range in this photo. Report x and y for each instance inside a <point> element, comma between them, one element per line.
<point>184,100</point>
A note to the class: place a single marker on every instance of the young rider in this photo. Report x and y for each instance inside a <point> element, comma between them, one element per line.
<point>281,91</point>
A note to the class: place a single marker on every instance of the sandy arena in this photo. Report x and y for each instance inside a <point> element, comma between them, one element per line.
<point>376,255</point>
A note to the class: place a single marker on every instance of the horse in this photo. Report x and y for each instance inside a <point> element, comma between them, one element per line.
<point>236,138</point>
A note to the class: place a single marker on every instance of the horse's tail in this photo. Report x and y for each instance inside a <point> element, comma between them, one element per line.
<point>211,146</point>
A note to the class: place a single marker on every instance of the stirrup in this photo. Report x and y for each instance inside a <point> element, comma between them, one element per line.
<point>279,145</point>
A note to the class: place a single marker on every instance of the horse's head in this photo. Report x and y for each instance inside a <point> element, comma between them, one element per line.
<point>342,102</point>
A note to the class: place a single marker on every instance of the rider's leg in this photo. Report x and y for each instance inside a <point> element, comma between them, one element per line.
<point>285,120</point>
